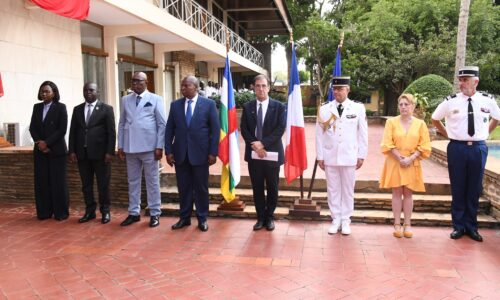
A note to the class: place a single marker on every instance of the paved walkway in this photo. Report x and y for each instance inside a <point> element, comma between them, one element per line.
<point>299,260</point>
<point>372,167</point>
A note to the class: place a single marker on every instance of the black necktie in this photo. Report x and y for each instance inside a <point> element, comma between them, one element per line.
<point>259,122</point>
<point>340,109</point>
<point>470,118</point>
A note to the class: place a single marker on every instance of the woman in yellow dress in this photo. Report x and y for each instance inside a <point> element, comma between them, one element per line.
<point>406,141</point>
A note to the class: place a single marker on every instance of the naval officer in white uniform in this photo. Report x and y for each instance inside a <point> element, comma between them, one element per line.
<point>341,148</point>
<point>470,118</point>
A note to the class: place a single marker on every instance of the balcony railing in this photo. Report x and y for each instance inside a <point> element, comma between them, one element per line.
<point>193,14</point>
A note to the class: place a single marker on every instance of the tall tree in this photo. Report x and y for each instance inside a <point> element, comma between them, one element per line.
<point>463,20</point>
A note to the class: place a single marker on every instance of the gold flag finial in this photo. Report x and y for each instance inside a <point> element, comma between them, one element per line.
<point>291,36</point>
<point>227,41</point>
<point>341,39</point>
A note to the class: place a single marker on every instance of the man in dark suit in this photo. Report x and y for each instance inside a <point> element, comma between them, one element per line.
<point>263,123</point>
<point>192,143</point>
<point>92,139</point>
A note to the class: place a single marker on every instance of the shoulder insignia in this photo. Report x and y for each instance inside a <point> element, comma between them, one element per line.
<point>451,97</point>
<point>356,101</point>
<point>487,95</point>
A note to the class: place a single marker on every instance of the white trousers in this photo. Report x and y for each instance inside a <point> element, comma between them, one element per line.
<point>340,182</point>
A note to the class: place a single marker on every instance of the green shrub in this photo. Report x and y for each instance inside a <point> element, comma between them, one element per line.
<point>370,112</point>
<point>429,91</point>
<point>432,86</point>
<point>310,110</point>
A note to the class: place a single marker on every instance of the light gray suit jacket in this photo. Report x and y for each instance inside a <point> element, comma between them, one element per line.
<point>142,127</point>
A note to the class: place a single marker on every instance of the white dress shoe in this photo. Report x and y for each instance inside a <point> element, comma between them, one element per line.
<point>346,228</point>
<point>334,228</point>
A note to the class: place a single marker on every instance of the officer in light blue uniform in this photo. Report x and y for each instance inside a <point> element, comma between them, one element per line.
<point>468,125</point>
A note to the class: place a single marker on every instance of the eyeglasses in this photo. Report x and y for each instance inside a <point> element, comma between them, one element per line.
<point>138,80</point>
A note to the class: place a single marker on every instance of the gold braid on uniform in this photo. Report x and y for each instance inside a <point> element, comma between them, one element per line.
<point>325,124</point>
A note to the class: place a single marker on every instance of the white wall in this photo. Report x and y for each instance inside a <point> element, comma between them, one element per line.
<point>36,45</point>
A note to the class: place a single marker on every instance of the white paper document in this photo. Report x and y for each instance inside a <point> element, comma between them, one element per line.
<point>271,156</point>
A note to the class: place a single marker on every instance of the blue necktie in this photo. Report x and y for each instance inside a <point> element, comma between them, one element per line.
<point>137,100</point>
<point>259,123</point>
<point>189,112</point>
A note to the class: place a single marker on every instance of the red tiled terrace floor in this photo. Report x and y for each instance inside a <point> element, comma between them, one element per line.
<point>299,260</point>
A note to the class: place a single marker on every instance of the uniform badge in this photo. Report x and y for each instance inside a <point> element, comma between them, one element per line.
<point>485,110</point>
<point>351,116</point>
<point>485,120</point>
<point>455,111</point>
<point>97,108</point>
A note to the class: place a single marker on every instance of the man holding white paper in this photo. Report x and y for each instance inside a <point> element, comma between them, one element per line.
<point>263,123</point>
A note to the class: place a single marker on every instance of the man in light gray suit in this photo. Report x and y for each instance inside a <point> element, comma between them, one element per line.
<point>141,137</point>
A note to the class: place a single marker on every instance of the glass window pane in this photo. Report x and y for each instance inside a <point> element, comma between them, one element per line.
<point>94,70</point>
<point>124,45</point>
<point>144,50</point>
<point>91,35</point>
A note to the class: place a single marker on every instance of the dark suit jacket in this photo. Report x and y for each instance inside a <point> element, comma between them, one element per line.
<point>100,132</point>
<point>198,140</point>
<point>52,129</point>
<point>272,129</point>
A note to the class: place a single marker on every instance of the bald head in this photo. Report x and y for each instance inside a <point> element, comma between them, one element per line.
<point>189,86</point>
<point>139,82</point>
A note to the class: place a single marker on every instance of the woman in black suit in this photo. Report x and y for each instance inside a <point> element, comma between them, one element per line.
<point>48,126</point>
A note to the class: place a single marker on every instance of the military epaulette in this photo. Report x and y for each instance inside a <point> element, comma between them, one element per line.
<point>324,103</point>
<point>487,95</point>
<point>450,97</point>
<point>356,101</point>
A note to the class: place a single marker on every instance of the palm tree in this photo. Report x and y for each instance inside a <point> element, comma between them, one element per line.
<point>463,20</point>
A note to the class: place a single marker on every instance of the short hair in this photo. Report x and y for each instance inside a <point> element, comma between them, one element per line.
<point>193,80</point>
<point>261,76</point>
<point>408,97</point>
<point>54,88</point>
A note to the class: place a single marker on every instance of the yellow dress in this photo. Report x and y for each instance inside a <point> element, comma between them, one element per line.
<point>395,136</point>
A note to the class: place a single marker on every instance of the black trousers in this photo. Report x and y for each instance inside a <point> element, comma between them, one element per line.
<point>264,173</point>
<point>102,171</point>
<point>192,183</point>
<point>51,187</point>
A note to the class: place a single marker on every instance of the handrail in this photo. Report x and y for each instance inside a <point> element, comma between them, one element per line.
<point>196,16</point>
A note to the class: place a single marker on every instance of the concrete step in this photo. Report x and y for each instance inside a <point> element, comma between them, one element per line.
<point>381,201</point>
<point>359,216</point>
<point>362,186</point>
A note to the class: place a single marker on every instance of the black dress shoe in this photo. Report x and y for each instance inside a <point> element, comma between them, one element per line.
<point>456,234</point>
<point>106,217</point>
<point>203,226</point>
<point>61,218</point>
<point>130,219</point>
<point>473,234</point>
<point>86,217</point>
<point>181,223</point>
<point>259,225</point>
<point>270,225</point>
<point>154,221</point>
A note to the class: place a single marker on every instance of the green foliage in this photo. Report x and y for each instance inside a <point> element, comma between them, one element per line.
<point>310,110</point>
<point>495,134</point>
<point>281,97</point>
<point>370,112</point>
<point>303,76</point>
<point>433,86</point>
<point>390,43</point>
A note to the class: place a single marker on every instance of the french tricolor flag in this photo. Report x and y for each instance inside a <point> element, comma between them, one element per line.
<point>295,149</point>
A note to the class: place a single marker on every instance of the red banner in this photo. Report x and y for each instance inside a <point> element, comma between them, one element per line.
<point>1,86</point>
<point>75,9</point>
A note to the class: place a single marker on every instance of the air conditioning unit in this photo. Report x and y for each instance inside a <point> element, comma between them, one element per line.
<point>12,134</point>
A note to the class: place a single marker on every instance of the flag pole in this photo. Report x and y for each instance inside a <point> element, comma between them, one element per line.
<point>341,43</point>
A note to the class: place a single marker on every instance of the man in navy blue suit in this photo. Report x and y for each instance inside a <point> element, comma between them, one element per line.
<point>263,123</point>
<point>192,144</point>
